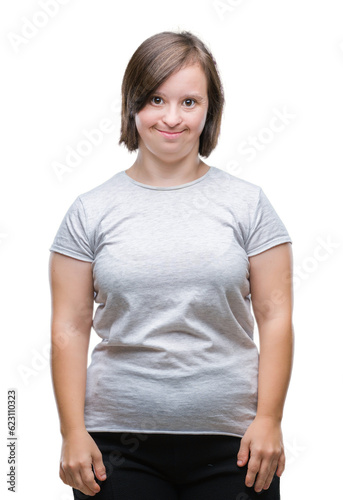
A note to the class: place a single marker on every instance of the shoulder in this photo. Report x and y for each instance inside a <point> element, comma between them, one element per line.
<point>240,191</point>
<point>104,193</point>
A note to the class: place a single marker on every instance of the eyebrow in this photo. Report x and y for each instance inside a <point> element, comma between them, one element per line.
<point>198,97</point>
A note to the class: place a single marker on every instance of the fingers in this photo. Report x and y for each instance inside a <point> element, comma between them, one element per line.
<point>281,464</point>
<point>88,480</point>
<point>270,476</point>
<point>265,475</point>
<point>261,469</point>
<point>253,469</point>
<point>243,453</point>
<point>79,476</point>
<point>99,468</point>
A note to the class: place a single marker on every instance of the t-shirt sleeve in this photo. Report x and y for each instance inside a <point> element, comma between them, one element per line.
<point>266,229</point>
<point>71,238</point>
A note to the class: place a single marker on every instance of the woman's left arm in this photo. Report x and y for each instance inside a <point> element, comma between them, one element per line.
<point>272,300</point>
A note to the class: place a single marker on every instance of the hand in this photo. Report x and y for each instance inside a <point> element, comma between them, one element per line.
<point>263,439</point>
<point>79,453</point>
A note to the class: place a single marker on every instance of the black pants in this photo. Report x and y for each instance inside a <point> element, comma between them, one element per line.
<point>173,467</point>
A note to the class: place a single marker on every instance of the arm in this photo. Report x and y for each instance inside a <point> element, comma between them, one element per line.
<point>272,300</point>
<point>71,284</point>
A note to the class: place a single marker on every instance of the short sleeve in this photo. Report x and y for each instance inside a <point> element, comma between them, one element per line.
<point>71,238</point>
<point>267,229</point>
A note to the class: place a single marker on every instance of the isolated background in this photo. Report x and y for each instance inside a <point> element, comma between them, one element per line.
<point>274,57</point>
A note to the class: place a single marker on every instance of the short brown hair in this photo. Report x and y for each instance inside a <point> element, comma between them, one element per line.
<point>151,64</point>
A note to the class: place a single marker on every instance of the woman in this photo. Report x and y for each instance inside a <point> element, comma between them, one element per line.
<point>177,403</point>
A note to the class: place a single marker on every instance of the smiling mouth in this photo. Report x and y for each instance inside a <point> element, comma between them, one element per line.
<point>170,134</point>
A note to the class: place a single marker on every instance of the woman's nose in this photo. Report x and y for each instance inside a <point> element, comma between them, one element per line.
<point>172,116</point>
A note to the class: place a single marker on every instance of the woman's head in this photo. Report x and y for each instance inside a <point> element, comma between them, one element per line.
<point>157,59</point>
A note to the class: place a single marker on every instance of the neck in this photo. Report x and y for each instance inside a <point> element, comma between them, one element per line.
<point>168,170</point>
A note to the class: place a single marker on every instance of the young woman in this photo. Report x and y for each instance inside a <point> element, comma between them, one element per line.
<point>177,402</point>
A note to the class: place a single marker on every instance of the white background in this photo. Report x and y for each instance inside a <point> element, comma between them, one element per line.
<point>63,78</point>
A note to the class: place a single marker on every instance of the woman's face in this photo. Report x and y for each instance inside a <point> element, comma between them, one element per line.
<point>170,124</point>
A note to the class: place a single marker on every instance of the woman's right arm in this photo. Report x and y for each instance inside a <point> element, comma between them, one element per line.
<point>71,285</point>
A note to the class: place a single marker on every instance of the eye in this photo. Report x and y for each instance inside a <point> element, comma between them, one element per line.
<point>156,100</point>
<point>188,102</point>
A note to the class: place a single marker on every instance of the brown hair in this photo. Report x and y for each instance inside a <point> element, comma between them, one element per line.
<point>151,64</point>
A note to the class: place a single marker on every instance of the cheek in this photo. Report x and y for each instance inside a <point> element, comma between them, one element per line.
<point>199,121</point>
<point>139,120</point>
<point>144,119</point>
<point>203,121</point>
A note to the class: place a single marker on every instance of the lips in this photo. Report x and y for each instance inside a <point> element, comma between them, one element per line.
<point>170,135</point>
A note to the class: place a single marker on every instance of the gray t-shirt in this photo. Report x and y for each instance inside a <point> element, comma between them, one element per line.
<point>171,277</point>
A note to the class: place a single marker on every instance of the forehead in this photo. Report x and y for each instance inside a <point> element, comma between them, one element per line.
<point>191,78</point>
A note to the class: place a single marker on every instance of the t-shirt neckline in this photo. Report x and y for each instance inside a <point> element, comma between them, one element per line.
<point>167,188</point>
